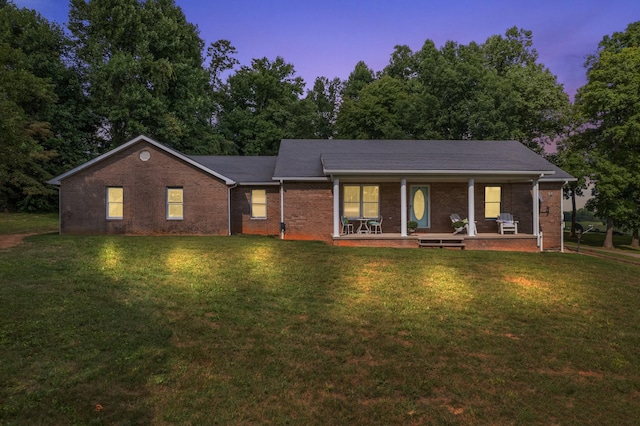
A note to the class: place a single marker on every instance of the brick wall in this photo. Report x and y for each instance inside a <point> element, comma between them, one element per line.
<point>308,211</point>
<point>551,219</point>
<point>241,220</point>
<point>83,196</point>
<point>524,243</point>
<point>447,198</point>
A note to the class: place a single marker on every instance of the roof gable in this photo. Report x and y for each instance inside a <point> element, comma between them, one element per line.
<point>140,139</point>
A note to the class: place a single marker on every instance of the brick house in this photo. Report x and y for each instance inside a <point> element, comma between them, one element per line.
<point>144,187</point>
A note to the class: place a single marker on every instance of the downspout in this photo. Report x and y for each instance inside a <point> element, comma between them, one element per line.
<point>59,210</point>
<point>229,188</point>
<point>562,220</point>
<point>282,225</point>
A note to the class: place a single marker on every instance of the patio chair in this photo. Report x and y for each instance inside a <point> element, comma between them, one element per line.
<point>456,221</point>
<point>506,223</point>
<point>375,226</point>
<point>347,227</point>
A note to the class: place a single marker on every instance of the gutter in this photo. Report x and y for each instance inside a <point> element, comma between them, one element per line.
<point>304,179</point>
<point>562,220</point>
<point>442,172</point>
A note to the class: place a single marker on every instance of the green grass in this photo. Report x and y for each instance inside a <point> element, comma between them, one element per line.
<point>241,330</point>
<point>28,223</point>
<point>595,239</point>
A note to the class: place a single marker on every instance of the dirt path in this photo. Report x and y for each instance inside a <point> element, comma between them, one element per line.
<point>8,241</point>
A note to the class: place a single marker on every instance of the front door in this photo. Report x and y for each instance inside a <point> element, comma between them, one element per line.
<point>419,205</point>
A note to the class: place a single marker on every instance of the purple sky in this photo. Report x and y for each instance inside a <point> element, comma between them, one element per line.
<point>328,38</point>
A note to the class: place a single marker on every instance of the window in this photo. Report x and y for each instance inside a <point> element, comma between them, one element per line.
<point>258,203</point>
<point>174,204</point>
<point>492,196</point>
<point>361,201</point>
<point>115,202</point>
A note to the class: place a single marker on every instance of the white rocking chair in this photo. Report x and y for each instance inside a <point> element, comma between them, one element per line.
<point>506,223</point>
<point>455,218</point>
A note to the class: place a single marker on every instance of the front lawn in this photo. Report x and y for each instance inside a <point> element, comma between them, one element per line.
<point>241,330</point>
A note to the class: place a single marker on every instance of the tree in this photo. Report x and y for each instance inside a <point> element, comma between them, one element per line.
<point>495,90</point>
<point>325,98</point>
<point>360,77</point>
<point>572,157</point>
<point>46,125</point>
<point>261,105</point>
<point>22,156</point>
<point>142,64</point>
<point>609,102</point>
<point>379,112</point>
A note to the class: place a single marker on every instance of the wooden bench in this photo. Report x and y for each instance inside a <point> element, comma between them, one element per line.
<point>441,242</point>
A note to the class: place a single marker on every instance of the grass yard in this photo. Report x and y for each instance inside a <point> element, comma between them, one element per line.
<point>241,330</point>
<point>28,223</point>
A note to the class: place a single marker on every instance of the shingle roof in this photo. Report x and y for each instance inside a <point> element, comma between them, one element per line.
<point>256,169</point>
<point>309,159</point>
<point>318,159</point>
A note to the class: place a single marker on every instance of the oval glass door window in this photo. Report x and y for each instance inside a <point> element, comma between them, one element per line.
<point>418,205</point>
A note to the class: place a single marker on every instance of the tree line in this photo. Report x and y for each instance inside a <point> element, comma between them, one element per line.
<point>127,67</point>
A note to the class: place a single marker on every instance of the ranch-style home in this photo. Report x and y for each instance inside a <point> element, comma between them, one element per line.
<point>343,192</point>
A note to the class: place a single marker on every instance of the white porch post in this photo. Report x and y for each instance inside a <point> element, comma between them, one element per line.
<point>403,207</point>
<point>471,215</point>
<point>336,207</point>
<point>536,210</point>
<point>281,210</point>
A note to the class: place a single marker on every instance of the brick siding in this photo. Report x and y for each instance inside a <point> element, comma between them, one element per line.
<point>308,211</point>
<point>241,220</point>
<point>83,196</point>
<point>551,219</point>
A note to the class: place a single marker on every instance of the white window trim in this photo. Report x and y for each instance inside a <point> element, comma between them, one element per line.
<point>252,204</point>
<point>169,188</point>
<point>492,202</point>
<point>109,203</point>
<point>361,199</point>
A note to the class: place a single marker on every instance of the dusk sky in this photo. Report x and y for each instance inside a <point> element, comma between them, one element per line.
<point>328,38</point>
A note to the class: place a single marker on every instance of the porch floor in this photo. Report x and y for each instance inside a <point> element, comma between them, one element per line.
<point>417,235</point>
<point>485,241</point>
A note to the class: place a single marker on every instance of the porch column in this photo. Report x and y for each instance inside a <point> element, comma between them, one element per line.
<point>336,207</point>
<point>403,207</point>
<point>471,215</point>
<point>536,210</point>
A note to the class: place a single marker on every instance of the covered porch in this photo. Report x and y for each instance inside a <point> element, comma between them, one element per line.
<point>430,201</point>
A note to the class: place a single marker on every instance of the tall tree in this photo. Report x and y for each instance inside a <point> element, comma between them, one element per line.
<point>325,99</point>
<point>496,90</point>
<point>47,125</point>
<point>572,157</point>
<point>143,67</point>
<point>262,105</point>
<point>609,101</point>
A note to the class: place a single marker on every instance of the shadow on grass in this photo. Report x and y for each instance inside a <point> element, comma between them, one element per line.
<point>253,330</point>
<point>73,350</point>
